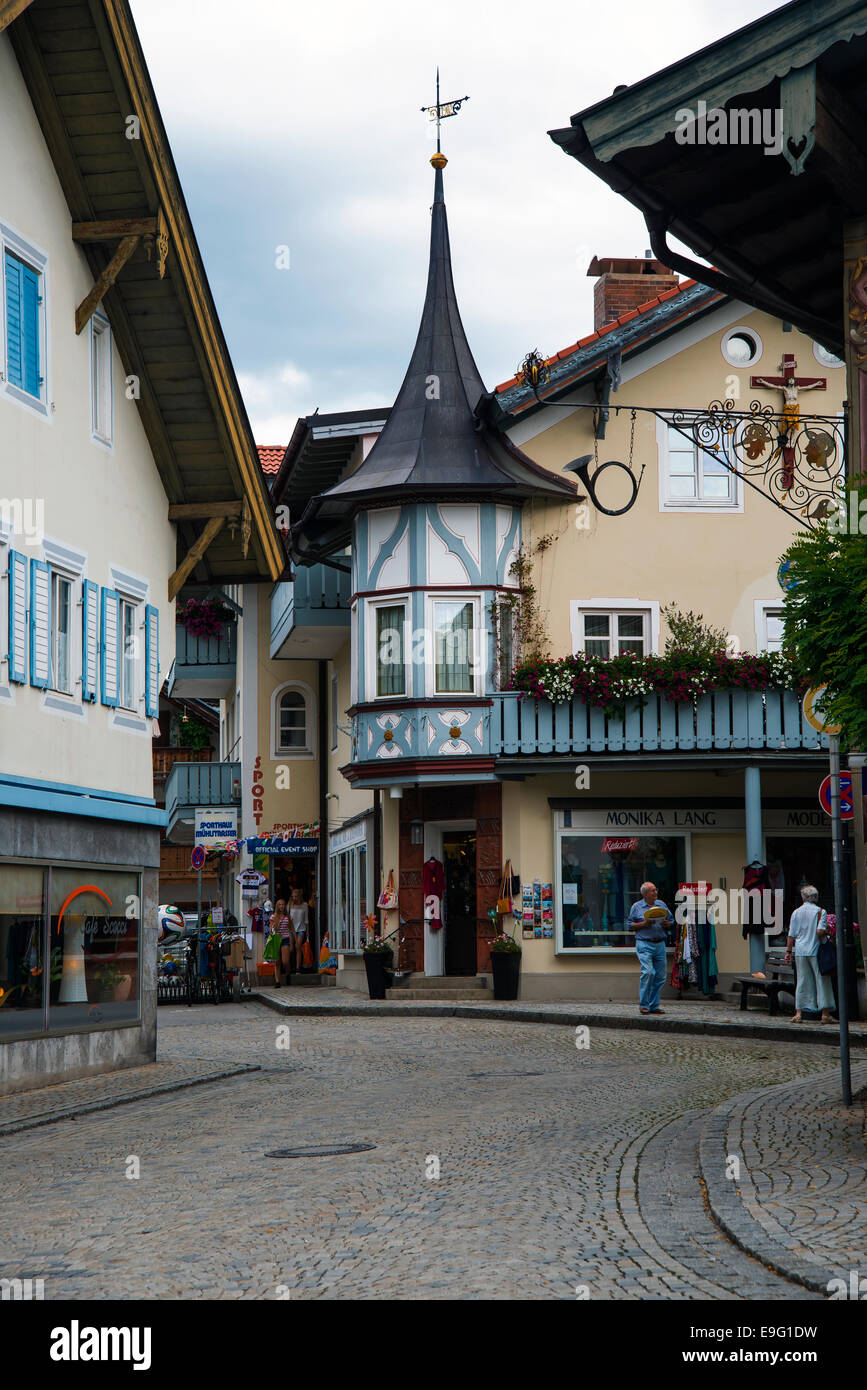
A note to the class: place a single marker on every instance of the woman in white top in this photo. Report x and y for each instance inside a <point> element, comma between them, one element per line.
<point>808,927</point>
<point>299,914</point>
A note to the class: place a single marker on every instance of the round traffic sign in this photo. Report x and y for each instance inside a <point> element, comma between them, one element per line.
<point>816,718</point>
<point>847,804</point>
<point>197,858</point>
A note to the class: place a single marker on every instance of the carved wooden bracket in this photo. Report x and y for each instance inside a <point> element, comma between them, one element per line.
<point>130,230</point>
<point>194,555</point>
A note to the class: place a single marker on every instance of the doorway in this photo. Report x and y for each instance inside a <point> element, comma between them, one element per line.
<point>459,901</point>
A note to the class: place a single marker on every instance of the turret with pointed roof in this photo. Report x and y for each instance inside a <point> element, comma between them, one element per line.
<point>437,441</point>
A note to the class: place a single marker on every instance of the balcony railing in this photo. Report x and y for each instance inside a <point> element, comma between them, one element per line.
<point>165,758</point>
<point>313,607</point>
<point>504,726</point>
<point>204,667</point>
<point>725,720</point>
<point>190,785</point>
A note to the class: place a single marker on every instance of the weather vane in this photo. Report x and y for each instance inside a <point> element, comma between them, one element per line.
<point>443,109</point>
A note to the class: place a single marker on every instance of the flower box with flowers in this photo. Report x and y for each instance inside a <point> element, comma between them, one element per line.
<point>204,617</point>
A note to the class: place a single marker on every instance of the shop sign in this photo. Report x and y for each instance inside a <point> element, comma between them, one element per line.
<point>215,826</point>
<point>620,846</point>
<point>686,818</point>
<point>290,849</point>
<point>348,836</point>
<point>257,790</point>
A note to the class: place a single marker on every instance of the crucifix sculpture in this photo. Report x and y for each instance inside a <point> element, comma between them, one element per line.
<point>789,384</point>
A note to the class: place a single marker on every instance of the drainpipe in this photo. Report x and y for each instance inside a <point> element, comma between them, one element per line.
<point>322,915</point>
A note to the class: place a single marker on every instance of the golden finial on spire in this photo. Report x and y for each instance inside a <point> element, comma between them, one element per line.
<point>438,160</point>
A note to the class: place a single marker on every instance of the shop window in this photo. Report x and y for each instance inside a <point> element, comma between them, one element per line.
<point>22,954</point>
<point>94,947</point>
<point>600,877</point>
<point>349,897</point>
<point>293,734</point>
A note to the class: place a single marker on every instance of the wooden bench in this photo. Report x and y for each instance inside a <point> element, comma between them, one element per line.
<point>781,978</point>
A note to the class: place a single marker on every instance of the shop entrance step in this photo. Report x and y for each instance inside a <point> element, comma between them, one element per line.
<point>445,995</point>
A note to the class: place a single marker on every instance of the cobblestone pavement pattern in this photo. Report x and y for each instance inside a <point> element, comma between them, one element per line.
<point>560,1168</point>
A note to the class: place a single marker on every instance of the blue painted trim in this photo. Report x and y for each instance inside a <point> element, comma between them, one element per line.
<point>71,789</point>
<point>453,544</point>
<point>360,552</point>
<point>152,637</point>
<point>109,596</point>
<point>418,545</point>
<point>35,567</point>
<point>512,541</point>
<point>388,547</point>
<point>16,674</point>
<point>88,692</point>
<point>73,805</point>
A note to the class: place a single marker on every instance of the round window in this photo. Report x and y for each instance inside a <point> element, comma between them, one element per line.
<point>826,358</point>
<point>741,347</point>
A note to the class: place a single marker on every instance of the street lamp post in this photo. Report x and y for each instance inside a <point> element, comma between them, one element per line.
<point>837,852</point>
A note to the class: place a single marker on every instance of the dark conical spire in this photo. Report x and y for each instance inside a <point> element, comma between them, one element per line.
<point>436,439</point>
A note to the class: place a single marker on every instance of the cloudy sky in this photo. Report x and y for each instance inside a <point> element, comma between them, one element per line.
<point>299,125</point>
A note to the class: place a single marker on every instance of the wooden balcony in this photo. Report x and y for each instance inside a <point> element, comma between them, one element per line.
<point>204,667</point>
<point>190,785</point>
<point>310,615</point>
<point>165,758</point>
<point>175,864</point>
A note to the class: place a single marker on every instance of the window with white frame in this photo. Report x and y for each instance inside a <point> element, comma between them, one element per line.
<point>694,477</point>
<point>506,654</point>
<point>293,731</point>
<point>454,624</point>
<point>102,422</point>
<point>608,633</point>
<point>387,636</point>
<point>128,693</point>
<point>769,627</point>
<point>24,317</point>
<point>61,633</point>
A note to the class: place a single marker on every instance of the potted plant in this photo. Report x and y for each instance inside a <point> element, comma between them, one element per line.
<point>112,984</point>
<point>506,966</point>
<point>204,617</point>
<point>377,961</point>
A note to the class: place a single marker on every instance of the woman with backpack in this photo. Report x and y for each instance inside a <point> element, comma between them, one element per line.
<point>808,928</point>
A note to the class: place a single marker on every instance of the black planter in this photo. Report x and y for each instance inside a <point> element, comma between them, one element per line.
<point>506,966</point>
<point>376,963</point>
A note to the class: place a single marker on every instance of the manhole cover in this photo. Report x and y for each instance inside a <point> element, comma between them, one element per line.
<point>320,1151</point>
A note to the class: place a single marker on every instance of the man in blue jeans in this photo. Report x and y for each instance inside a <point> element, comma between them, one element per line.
<point>650,948</point>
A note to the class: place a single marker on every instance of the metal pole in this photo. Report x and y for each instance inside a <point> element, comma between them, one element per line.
<point>856,767</point>
<point>199,902</point>
<point>842,987</point>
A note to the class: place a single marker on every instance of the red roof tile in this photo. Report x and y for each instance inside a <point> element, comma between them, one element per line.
<point>270,457</point>
<point>606,328</point>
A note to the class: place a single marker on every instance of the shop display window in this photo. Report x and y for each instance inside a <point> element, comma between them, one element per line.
<point>22,956</point>
<point>95,941</point>
<point>601,877</point>
<point>349,897</point>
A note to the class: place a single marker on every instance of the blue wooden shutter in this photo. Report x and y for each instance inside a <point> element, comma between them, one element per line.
<point>89,640</point>
<point>152,661</point>
<point>109,660</point>
<point>17,617</point>
<point>30,324</point>
<point>14,331</point>
<point>40,623</point>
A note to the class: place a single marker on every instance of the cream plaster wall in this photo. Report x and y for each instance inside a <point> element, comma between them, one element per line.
<point>716,564</point>
<point>110,505</point>
<point>300,802</point>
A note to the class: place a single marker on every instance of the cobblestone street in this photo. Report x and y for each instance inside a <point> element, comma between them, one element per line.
<point>559,1167</point>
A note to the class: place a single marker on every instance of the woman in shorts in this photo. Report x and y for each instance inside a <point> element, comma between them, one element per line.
<point>282,923</point>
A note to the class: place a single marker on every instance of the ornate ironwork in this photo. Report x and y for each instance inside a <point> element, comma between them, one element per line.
<point>797,462</point>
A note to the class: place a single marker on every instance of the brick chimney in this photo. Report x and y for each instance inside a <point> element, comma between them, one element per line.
<point>625,283</point>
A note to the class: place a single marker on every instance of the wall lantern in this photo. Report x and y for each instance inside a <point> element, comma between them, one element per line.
<point>416,832</point>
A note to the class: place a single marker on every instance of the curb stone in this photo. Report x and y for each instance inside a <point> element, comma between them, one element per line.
<point>68,1112</point>
<point>723,1194</point>
<point>570,1018</point>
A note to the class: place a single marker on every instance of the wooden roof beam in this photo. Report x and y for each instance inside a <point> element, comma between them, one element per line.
<point>87,307</point>
<point>115,229</point>
<point>194,555</point>
<point>11,9</point>
<point>202,511</point>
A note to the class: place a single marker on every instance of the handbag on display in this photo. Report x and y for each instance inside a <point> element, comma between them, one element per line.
<point>388,896</point>
<point>504,900</point>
